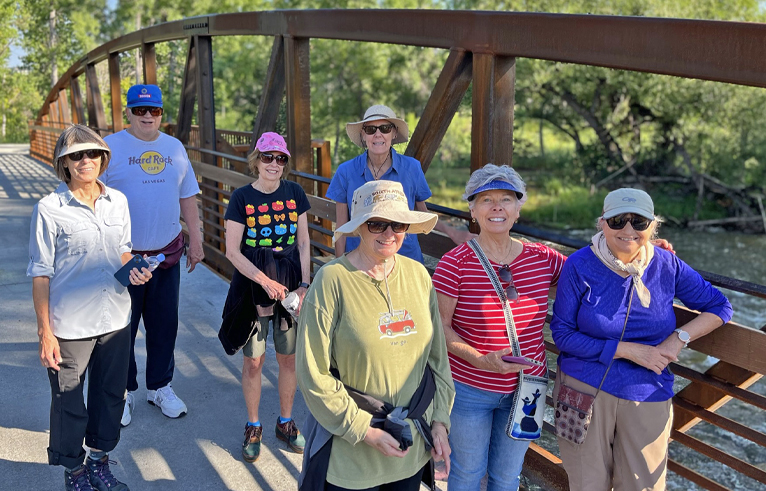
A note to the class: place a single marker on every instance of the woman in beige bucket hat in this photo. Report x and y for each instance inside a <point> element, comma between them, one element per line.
<point>376,133</point>
<point>370,321</point>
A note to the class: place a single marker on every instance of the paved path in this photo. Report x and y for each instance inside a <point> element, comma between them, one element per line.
<point>198,452</point>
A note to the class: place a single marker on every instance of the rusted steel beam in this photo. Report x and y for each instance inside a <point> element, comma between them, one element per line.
<point>53,111</point>
<point>115,91</point>
<point>96,116</point>
<point>441,107</point>
<point>695,477</point>
<point>78,109</point>
<point>323,169</point>
<point>149,55</point>
<point>64,112</point>
<point>273,92</point>
<point>188,94</point>
<point>544,469</point>
<point>297,79</point>
<point>720,456</point>
<point>492,117</point>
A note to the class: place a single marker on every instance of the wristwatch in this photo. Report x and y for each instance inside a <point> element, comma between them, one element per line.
<point>306,285</point>
<point>683,336</point>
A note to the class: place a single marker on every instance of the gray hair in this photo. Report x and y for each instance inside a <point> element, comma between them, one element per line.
<point>492,172</point>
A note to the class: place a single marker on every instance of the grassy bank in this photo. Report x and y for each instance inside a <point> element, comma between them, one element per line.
<point>556,204</point>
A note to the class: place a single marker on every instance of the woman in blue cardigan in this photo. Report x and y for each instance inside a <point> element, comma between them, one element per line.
<point>626,444</point>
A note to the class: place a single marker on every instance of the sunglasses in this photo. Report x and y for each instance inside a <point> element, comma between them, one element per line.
<point>268,158</point>
<point>505,276</point>
<point>384,128</point>
<point>92,154</point>
<point>375,227</point>
<point>140,111</point>
<point>638,222</point>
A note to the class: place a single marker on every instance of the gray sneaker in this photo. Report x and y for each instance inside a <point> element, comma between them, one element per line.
<point>167,400</point>
<point>127,412</point>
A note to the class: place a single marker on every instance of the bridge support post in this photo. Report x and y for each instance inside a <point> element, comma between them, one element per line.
<point>494,79</point>
<point>149,55</point>
<point>96,116</point>
<point>273,92</point>
<point>115,91</point>
<point>297,78</point>
<point>78,111</point>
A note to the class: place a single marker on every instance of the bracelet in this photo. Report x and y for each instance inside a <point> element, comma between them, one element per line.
<point>304,285</point>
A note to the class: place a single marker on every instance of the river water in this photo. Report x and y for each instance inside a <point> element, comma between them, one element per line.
<point>738,256</point>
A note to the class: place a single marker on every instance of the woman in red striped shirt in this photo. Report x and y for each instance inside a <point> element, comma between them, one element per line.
<point>475,329</point>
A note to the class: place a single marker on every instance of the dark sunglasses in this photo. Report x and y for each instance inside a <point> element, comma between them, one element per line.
<point>384,128</point>
<point>505,276</point>
<point>140,111</point>
<point>268,158</point>
<point>638,222</point>
<point>92,154</point>
<point>375,227</point>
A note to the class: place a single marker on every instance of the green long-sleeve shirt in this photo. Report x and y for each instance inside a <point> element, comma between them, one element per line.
<point>346,323</point>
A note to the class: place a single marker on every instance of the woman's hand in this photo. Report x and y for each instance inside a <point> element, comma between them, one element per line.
<point>493,362</point>
<point>383,443</point>
<point>649,357</point>
<point>301,292</point>
<point>670,347</point>
<point>139,277</point>
<point>274,289</point>
<point>441,450</point>
<point>50,352</point>
<point>663,244</point>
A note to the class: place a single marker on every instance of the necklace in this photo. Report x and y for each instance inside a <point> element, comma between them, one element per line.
<point>260,187</point>
<point>376,173</point>
<point>507,255</point>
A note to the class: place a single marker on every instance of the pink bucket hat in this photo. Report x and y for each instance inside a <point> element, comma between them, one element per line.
<point>272,142</point>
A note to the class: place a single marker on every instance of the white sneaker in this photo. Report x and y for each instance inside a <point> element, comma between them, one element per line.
<point>127,413</point>
<point>165,399</point>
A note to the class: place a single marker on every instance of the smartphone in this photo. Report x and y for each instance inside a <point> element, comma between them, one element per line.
<point>517,359</point>
<point>123,274</point>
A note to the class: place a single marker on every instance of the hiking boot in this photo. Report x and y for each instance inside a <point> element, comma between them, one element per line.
<point>127,412</point>
<point>290,434</point>
<point>165,399</point>
<point>77,480</point>
<point>101,477</point>
<point>251,447</point>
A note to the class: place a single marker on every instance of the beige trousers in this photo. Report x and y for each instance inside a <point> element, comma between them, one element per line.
<point>626,447</point>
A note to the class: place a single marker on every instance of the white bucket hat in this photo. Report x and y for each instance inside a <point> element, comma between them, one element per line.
<point>386,200</point>
<point>374,113</point>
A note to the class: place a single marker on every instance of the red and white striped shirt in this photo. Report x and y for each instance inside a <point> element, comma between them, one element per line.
<point>479,318</point>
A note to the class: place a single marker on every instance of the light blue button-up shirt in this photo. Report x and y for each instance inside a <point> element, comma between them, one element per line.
<point>80,250</point>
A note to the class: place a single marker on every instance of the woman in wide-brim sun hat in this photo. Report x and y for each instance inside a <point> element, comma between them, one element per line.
<point>375,133</point>
<point>370,322</point>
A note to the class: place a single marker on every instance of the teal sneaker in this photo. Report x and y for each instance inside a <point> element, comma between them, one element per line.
<point>251,447</point>
<point>290,434</point>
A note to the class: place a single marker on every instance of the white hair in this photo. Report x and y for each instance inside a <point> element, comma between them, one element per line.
<point>492,172</point>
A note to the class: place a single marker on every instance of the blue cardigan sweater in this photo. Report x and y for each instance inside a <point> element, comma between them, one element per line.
<point>590,308</point>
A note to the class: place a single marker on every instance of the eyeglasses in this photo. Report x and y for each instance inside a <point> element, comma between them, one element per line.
<point>505,276</point>
<point>268,158</point>
<point>140,111</point>
<point>638,222</point>
<point>384,128</point>
<point>376,227</point>
<point>92,154</point>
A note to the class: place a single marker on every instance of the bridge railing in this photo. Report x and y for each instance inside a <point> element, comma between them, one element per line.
<point>483,47</point>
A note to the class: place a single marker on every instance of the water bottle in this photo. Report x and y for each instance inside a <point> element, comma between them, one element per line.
<point>155,261</point>
<point>290,303</point>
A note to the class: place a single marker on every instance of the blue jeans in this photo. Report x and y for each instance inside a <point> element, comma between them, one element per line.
<point>479,443</point>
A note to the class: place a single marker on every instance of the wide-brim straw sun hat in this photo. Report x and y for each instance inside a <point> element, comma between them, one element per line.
<point>385,200</point>
<point>375,113</point>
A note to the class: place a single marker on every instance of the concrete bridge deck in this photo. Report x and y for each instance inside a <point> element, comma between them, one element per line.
<point>198,452</point>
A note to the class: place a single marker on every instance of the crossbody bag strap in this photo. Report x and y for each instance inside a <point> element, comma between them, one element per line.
<point>630,302</point>
<point>510,325</point>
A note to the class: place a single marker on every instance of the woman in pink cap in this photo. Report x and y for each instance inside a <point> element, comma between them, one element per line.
<point>267,241</point>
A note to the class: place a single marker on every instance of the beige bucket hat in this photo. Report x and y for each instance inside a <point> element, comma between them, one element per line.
<point>386,200</point>
<point>374,113</point>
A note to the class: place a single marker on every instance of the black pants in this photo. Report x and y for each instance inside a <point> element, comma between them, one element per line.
<point>409,484</point>
<point>157,302</point>
<point>106,360</point>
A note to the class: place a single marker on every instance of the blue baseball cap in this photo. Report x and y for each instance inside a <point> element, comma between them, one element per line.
<point>144,95</point>
<point>496,184</point>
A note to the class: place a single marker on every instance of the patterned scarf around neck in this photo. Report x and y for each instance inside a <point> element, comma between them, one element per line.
<point>634,268</point>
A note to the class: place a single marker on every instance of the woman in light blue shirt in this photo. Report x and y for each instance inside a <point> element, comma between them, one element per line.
<point>79,237</point>
<point>376,133</point>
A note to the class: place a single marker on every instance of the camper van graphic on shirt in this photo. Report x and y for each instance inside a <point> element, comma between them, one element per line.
<point>395,324</point>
